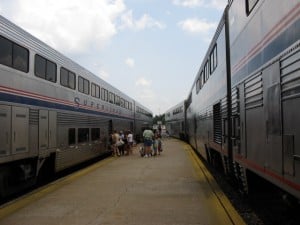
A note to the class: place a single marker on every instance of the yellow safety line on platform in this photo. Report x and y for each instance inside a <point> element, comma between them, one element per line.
<point>233,215</point>
<point>23,201</point>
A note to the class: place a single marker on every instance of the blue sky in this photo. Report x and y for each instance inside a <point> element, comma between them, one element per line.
<point>149,49</point>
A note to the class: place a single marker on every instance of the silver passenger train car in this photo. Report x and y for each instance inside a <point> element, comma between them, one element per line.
<point>53,113</point>
<point>175,122</point>
<point>243,108</point>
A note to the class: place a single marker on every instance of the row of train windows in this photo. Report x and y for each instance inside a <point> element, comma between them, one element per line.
<point>143,111</point>
<point>83,135</point>
<point>17,57</point>
<point>178,110</point>
<point>209,67</point>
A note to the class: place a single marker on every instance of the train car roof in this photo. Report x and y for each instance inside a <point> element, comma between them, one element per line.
<point>22,37</point>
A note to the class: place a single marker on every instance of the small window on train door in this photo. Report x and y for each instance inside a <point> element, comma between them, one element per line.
<point>250,4</point>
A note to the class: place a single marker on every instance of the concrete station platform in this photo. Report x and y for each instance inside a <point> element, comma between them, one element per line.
<point>171,189</point>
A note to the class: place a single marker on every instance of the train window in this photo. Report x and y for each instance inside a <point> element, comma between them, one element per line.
<point>71,136</point>
<point>95,134</point>
<point>95,92</point>
<point>67,78</point>
<point>213,59</point>
<point>6,52</point>
<point>104,94</point>
<point>83,135</point>
<point>198,85</point>
<point>250,4</point>
<point>130,106</point>
<point>45,69</point>
<point>20,58</point>
<point>13,55</point>
<point>83,85</point>
<point>117,100</point>
<point>126,104</point>
<point>122,102</point>
<point>206,72</point>
<point>111,97</point>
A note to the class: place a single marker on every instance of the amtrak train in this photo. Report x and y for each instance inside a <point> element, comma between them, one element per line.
<point>242,112</point>
<point>53,113</point>
<point>174,119</point>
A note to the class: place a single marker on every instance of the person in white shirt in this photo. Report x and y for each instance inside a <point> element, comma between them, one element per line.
<point>130,141</point>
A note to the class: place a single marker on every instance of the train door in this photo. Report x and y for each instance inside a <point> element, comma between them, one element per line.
<point>47,129</point>
<point>110,127</point>
<point>242,121</point>
<point>52,129</point>
<point>43,129</point>
<point>5,134</point>
<point>290,72</point>
<point>131,126</point>
<point>20,129</point>
<point>273,121</point>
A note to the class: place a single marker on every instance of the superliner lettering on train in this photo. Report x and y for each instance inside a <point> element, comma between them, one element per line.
<point>53,113</point>
<point>243,109</point>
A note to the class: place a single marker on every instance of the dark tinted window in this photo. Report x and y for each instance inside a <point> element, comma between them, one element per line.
<point>44,68</point>
<point>104,94</point>
<point>67,78</point>
<point>6,52</point>
<point>13,55</point>
<point>213,59</point>
<point>117,100</point>
<point>40,67</point>
<point>95,91</point>
<point>72,80</point>
<point>83,135</point>
<point>71,136</point>
<point>51,71</point>
<point>83,85</point>
<point>111,97</point>
<point>20,58</point>
<point>95,134</point>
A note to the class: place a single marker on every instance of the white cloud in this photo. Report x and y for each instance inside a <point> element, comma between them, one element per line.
<point>216,4</point>
<point>189,3</point>
<point>130,62</point>
<point>143,82</point>
<point>197,26</point>
<point>144,22</point>
<point>67,25</point>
